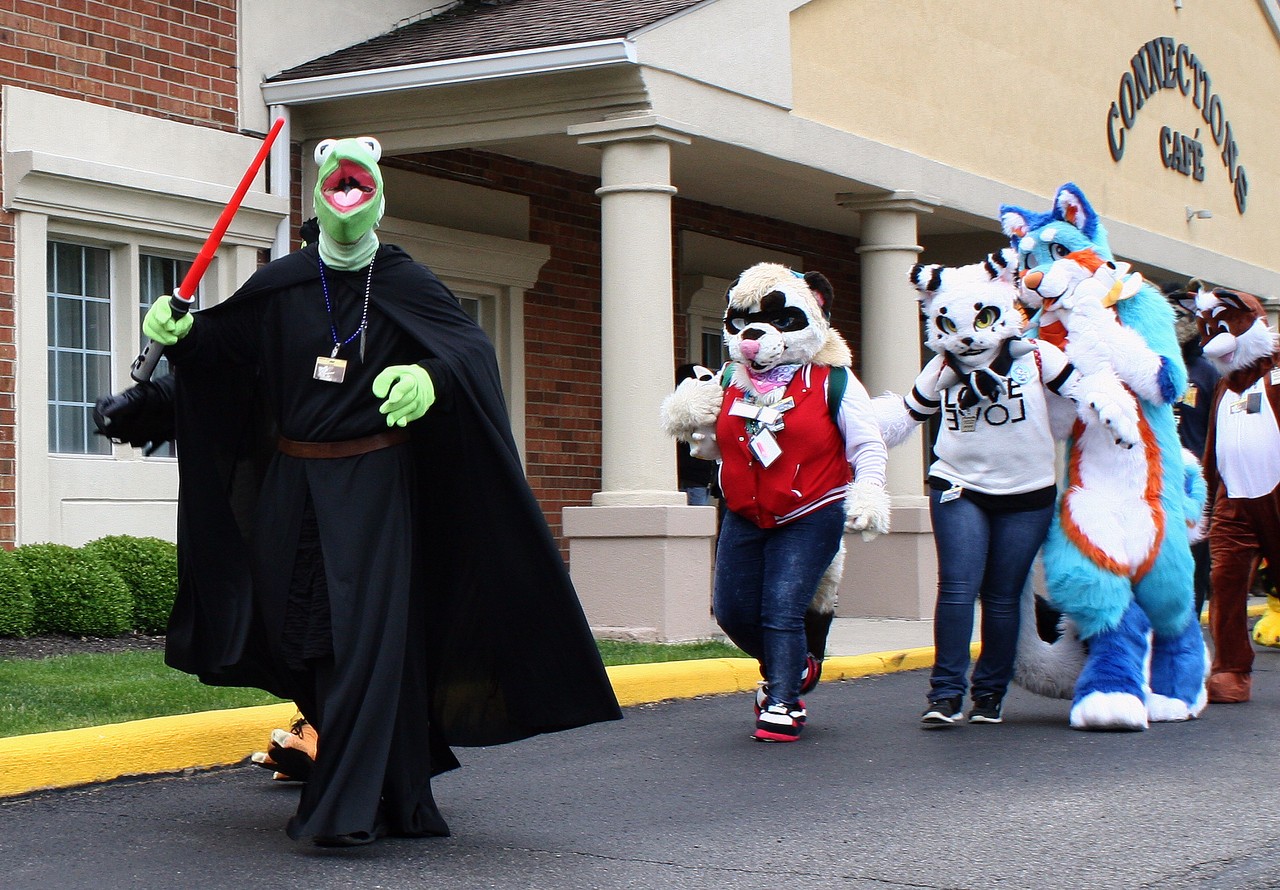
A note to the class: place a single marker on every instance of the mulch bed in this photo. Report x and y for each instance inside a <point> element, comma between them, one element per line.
<point>49,646</point>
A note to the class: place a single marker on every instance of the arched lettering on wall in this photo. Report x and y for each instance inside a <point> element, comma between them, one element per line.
<point>1162,64</point>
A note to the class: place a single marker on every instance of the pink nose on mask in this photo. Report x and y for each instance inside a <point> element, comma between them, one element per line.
<point>750,349</point>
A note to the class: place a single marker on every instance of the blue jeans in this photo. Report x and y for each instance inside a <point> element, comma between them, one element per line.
<point>698,495</point>
<point>765,580</point>
<point>987,555</point>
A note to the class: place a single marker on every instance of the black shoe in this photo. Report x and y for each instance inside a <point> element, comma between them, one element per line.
<point>942,712</point>
<point>986,709</point>
<point>354,839</point>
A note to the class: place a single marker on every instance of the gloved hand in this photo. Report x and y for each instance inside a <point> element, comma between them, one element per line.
<point>160,325</point>
<point>142,415</point>
<point>867,507</point>
<point>408,391</point>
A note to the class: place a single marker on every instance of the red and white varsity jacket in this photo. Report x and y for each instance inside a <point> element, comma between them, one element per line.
<point>812,469</point>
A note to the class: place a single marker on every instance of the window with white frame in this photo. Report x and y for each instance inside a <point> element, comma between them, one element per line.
<point>481,310</point>
<point>704,308</point>
<point>79,344</point>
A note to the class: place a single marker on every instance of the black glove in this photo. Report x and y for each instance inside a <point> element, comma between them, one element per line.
<point>142,415</point>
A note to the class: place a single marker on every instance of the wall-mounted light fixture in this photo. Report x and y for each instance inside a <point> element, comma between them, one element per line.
<point>1192,213</point>
<point>1177,4</point>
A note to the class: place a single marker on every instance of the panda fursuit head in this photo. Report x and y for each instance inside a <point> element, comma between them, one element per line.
<point>1117,558</point>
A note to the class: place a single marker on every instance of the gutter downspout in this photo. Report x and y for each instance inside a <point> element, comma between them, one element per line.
<point>280,178</point>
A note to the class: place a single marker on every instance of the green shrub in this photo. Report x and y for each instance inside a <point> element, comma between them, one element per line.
<point>17,607</point>
<point>75,592</point>
<point>149,567</point>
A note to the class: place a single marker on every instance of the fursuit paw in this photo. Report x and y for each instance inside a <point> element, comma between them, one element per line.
<point>1229,688</point>
<point>692,408</point>
<point>1109,712</point>
<point>292,752</point>
<point>1121,419</point>
<point>1163,709</point>
<point>895,422</point>
<point>866,509</point>
<point>1267,631</point>
<point>703,443</point>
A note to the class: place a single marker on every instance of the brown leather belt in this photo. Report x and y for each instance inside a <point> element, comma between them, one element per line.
<point>346,448</point>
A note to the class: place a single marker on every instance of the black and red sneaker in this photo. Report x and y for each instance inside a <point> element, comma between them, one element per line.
<point>762,700</point>
<point>780,723</point>
<point>811,674</point>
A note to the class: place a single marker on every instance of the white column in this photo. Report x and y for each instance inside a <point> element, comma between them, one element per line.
<point>890,346</point>
<point>637,459</point>
<point>895,575</point>
<point>641,559</point>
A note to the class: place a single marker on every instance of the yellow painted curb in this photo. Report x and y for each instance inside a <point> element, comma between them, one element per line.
<point>139,747</point>
<point>220,738</point>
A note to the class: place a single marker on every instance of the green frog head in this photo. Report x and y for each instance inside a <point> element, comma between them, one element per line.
<point>348,200</point>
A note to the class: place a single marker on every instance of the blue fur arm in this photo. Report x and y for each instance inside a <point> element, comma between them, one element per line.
<point>1173,380</point>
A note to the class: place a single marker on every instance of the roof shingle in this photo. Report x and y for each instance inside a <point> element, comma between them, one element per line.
<point>480,27</point>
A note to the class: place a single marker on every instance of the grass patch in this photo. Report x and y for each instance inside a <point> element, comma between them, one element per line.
<point>72,691</point>
<point>615,652</point>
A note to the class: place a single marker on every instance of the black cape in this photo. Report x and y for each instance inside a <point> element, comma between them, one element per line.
<point>508,653</point>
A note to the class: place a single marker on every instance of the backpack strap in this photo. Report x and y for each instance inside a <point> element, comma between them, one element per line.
<point>837,380</point>
<point>726,375</point>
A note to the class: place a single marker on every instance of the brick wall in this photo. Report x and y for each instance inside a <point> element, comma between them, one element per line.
<point>562,310</point>
<point>168,58</point>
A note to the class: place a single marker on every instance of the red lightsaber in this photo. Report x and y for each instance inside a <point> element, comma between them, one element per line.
<point>182,299</point>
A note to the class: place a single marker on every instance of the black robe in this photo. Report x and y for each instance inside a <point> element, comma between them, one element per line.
<point>453,618</point>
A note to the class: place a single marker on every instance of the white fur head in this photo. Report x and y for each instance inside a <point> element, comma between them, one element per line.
<point>779,317</point>
<point>1233,329</point>
<point>969,311</point>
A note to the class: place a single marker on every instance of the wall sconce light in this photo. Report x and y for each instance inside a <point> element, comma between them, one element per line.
<point>1198,214</point>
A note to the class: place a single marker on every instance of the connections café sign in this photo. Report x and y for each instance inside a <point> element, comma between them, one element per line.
<point>1160,64</point>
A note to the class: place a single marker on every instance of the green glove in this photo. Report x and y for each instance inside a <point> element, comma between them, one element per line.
<point>161,326</point>
<point>408,391</point>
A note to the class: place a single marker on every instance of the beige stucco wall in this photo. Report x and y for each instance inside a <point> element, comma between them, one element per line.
<point>1021,94</point>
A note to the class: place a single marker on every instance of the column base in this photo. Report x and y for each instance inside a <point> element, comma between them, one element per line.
<point>643,572</point>
<point>894,576</point>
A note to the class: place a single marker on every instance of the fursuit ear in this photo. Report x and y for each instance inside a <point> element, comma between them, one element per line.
<point>819,284</point>
<point>729,291</point>
<point>1183,296</point>
<point>926,278</point>
<point>1014,222</point>
<point>1001,264</point>
<point>1071,206</point>
<point>1239,302</point>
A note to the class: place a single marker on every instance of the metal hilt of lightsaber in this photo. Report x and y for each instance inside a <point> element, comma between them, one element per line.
<point>145,364</point>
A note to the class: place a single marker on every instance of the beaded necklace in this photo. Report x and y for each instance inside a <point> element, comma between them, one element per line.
<point>364,313</point>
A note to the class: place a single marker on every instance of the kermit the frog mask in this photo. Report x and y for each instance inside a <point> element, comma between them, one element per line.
<point>348,200</point>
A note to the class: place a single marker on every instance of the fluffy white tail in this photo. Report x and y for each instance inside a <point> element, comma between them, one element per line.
<point>1048,669</point>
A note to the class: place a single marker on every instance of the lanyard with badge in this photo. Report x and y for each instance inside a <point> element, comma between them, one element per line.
<point>764,422</point>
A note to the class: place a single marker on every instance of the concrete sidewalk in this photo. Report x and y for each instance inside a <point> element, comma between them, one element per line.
<point>862,636</point>
<point>857,647</point>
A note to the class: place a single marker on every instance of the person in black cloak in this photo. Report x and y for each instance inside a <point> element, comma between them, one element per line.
<point>355,530</point>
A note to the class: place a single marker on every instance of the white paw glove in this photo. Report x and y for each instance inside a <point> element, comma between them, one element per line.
<point>1120,419</point>
<point>693,406</point>
<point>866,509</point>
<point>703,444</point>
